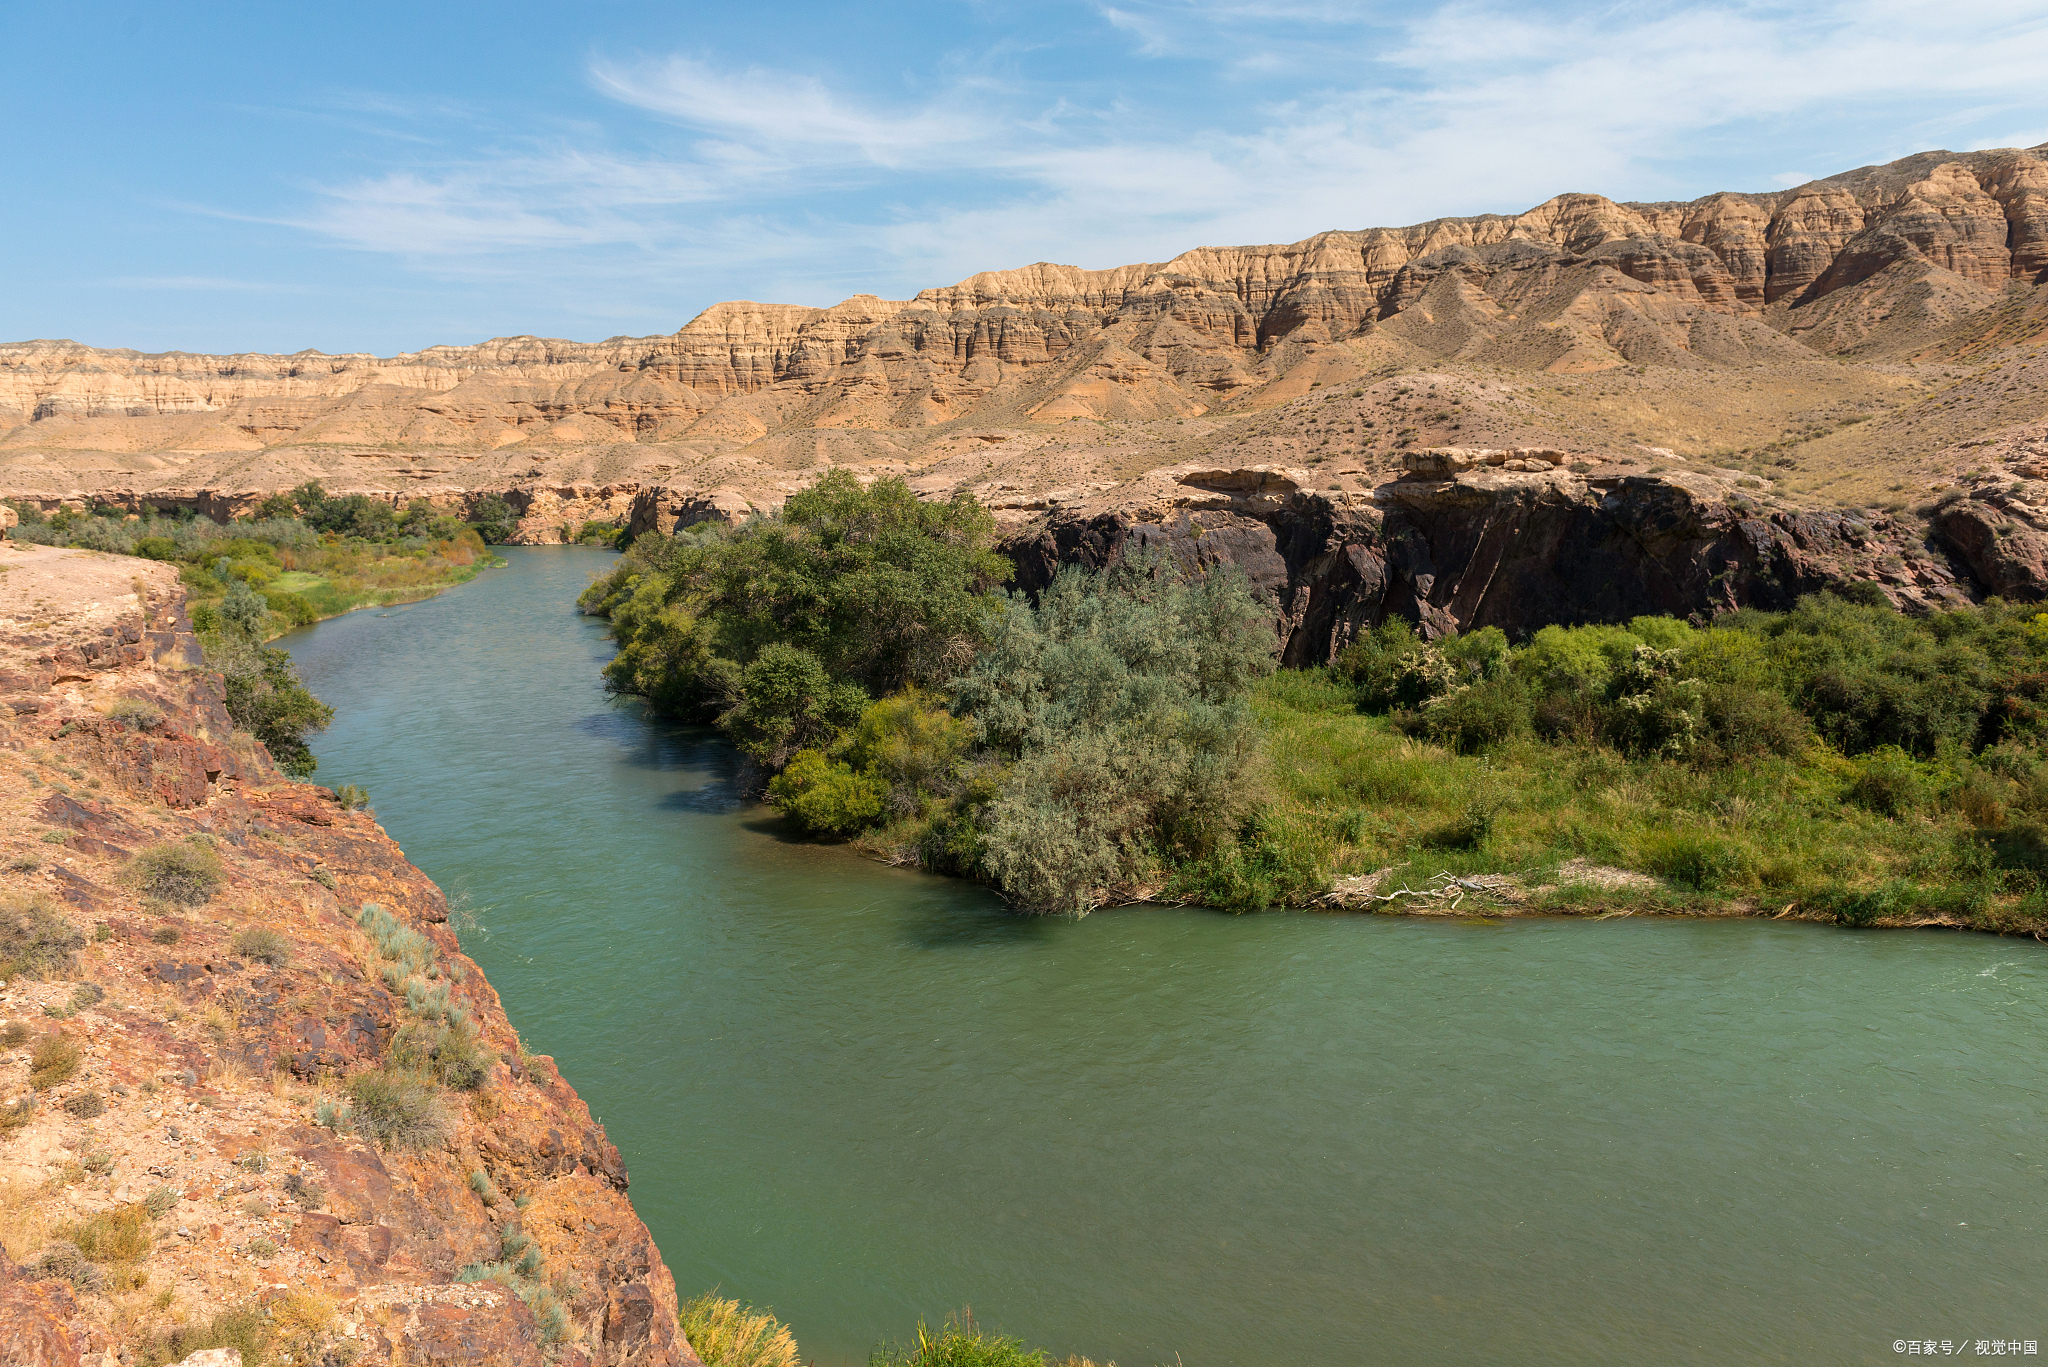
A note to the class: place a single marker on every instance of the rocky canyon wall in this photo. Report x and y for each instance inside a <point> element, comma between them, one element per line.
<point>1561,286</point>
<point>205,1055</point>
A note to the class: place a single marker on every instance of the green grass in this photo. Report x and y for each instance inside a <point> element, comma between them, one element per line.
<point>297,581</point>
<point>726,1333</point>
<point>187,872</point>
<point>1346,793</point>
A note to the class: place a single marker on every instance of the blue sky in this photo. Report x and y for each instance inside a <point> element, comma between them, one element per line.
<point>220,177</point>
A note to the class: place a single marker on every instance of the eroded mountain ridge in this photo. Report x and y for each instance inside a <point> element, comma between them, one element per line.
<point>1865,345</point>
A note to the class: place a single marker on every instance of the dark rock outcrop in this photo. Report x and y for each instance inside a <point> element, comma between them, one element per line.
<point>1517,549</point>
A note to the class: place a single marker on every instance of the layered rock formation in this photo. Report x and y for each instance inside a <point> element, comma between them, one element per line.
<point>1838,342</point>
<point>202,1064</point>
<point>1579,282</point>
<point>1507,538</point>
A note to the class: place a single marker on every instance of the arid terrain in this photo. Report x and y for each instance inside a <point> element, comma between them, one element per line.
<point>1713,381</point>
<point>178,1140</point>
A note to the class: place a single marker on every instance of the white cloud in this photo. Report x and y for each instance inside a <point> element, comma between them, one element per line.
<point>792,112</point>
<point>1462,108</point>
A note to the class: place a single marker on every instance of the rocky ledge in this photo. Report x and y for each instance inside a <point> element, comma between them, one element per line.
<point>201,1056</point>
<point>1517,538</point>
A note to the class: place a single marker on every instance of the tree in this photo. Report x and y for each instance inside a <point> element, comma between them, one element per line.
<point>875,588</point>
<point>1119,702</point>
<point>493,519</point>
<point>265,696</point>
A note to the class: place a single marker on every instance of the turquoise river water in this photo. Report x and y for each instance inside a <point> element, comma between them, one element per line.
<point>860,1094</point>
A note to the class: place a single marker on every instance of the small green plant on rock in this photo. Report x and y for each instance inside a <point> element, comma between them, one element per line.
<point>35,940</point>
<point>264,945</point>
<point>519,1269</point>
<point>54,1059</point>
<point>397,1109</point>
<point>726,1333</point>
<point>185,872</point>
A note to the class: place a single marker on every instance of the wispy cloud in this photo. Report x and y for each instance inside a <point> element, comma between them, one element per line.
<point>794,113</point>
<point>1384,117</point>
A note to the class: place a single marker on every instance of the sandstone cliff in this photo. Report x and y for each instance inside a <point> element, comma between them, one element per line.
<point>201,1066</point>
<point>1840,343</point>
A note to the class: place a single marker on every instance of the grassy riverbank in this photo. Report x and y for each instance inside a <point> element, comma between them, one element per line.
<point>310,556</point>
<point>1125,737</point>
<point>1345,795</point>
<point>305,557</point>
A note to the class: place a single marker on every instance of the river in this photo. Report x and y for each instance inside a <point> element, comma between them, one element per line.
<point>860,1094</point>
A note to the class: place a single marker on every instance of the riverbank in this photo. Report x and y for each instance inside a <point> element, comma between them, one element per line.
<point>358,555</point>
<point>860,1094</point>
<point>256,1094</point>
<point>1360,815</point>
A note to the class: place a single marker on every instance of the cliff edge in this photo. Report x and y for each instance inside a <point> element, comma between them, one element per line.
<point>186,1147</point>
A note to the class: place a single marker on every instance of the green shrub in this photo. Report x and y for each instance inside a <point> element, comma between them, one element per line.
<point>493,519</point>
<point>451,1054</point>
<point>294,608</point>
<point>187,872</point>
<point>1118,703</point>
<point>397,1109</point>
<point>868,589</point>
<point>825,796</point>
<point>1888,782</point>
<point>1853,907</point>
<point>36,941</point>
<point>726,1333</point>
<point>54,1059</point>
<point>1270,863</point>
<point>913,747</point>
<point>789,702</point>
<point>2021,844</point>
<point>247,1330</point>
<point>1697,859</point>
<point>958,1343</point>
<point>61,1260</point>
<point>120,1235</point>
<point>264,945</point>
<point>1470,829</point>
<point>1473,718</point>
<point>265,696</point>
<point>1740,721</point>
<point>138,714</point>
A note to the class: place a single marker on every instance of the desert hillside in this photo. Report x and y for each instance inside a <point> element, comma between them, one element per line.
<point>1865,342</point>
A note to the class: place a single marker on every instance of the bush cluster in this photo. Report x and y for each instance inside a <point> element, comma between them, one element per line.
<point>185,872</point>
<point>859,651</point>
<point>726,1333</point>
<point>1863,678</point>
<point>783,629</point>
